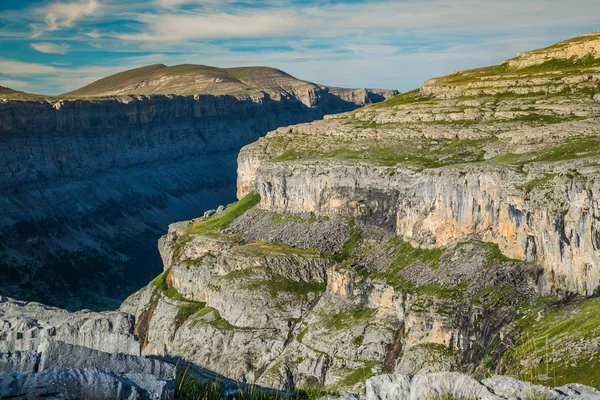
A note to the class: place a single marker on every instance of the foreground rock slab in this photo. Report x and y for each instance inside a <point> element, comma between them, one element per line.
<point>50,353</point>
<point>456,385</point>
<point>89,383</point>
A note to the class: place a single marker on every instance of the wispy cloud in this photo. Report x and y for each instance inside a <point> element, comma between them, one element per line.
<point>50,48</point>
<point>61,15</point>
<point>167,27</point>
<point>22,69</point>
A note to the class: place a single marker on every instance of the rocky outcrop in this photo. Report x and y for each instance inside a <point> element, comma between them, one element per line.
<point>503,153</point>
<point>46,351</point>
<point>96,180</point>
<point>90,383</point>
<point>457,385</point>
<point>321,301</point>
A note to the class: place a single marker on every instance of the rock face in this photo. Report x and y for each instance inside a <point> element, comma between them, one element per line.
<point>47,352</point>
<point>503,153</point>
<point>431,232</point>
<point>300,316</point>
<point>457,385</point>
<point>96,180</point>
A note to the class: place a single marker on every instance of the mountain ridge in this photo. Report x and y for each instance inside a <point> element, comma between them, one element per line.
<point>190,79</point>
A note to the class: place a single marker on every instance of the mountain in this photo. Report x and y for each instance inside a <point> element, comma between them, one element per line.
<point>190,79</point>
<point>89,183</point>
<point>455,227</point>
<point>5,90</point>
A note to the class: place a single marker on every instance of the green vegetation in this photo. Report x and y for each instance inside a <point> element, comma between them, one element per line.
<point>361,374</point>
<point>276,284</point>
<point>277,218</point>
<point>404,255</point>
<point>351,245</point>
<point>187,388</point>
<point>161,280</point>
<point>537,183</point>
<point>494,255</point>
<point>576,148</point>
<point>264,249</point>
<point>187,307</point>
<point>346,318</point>
<point>503,294</point>
<point>413,96</point>
<point>214,224</point>
<point>566,66</point>
<point>217,322</point>
<point>560,347</point>
<point>421,154</point>
<point>563,64</point>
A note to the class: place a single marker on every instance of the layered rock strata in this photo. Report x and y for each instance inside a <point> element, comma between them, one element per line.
<point>46,351</point>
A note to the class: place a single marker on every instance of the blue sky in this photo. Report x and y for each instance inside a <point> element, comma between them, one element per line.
<point>51,47</point>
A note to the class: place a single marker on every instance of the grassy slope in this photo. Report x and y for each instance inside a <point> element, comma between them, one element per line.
<point>160,79</point>
<point>558,346</point>
<point>126,78</point>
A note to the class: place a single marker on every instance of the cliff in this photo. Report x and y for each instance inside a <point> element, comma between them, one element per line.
<point>89,183</point>
<point>453,227</point>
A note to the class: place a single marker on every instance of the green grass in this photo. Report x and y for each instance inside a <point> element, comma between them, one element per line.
<point>503,294</point>
<point>219,322</point>
<point>537,183</point>
<point>576,148</point>
<point>421,154</point>
<point>351,244</point>
<point>217,222</point>
<point>277,284</point>
<point>187,388</point>
<point>494,255</point>
<point>264,249</point>
<point>346,318</point>
<point>161,280</point>
<point>550,340</point>
<point>360,374</point>
<point>413,96</point>
<point>277,218</point>
<point>405,255</point>
<point>447,292</point>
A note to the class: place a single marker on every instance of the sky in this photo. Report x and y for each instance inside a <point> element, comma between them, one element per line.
<point>52,47</point>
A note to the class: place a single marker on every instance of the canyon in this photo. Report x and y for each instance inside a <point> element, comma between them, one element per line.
<point>91,179</point>
<point>442,243</point>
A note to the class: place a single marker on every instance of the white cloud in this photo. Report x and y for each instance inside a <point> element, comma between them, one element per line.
<point>180,27</point>
<point>14,84</point>
<point>61,15</point>
<point>18,68</point>
<point>51,48</point>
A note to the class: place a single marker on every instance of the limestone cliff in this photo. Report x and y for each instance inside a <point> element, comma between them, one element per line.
<point>447,228</point>
<point>88,183</point>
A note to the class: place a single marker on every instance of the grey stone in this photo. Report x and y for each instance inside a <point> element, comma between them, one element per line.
<point>89,384</point>
<point>18,361</point>
<point>59,355</point>
<point>508,387</point>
